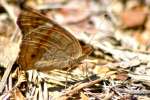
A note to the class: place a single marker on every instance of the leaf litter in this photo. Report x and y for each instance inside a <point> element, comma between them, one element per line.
<point>118,67</point>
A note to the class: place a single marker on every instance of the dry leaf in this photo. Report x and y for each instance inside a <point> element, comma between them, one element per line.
<point>83,96</point>
<point>134,17</point>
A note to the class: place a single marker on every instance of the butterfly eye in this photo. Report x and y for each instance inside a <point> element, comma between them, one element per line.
<point>33,56</point>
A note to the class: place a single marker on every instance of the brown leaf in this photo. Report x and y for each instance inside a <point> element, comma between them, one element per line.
<point>134,17</point>
<point>121,76</point>
<point>18,95</point>
<point>83,96</point>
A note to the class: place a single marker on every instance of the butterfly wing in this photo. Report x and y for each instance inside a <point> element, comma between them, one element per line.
<point>45,44</point>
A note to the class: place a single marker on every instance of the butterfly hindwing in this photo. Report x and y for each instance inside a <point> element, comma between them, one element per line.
<point>45,41</point>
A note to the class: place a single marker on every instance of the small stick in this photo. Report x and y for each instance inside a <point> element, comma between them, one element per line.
<point>133,92</point>
<point>5,76</point>
<point>78,88</point>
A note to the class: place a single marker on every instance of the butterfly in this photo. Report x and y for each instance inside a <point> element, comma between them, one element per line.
<point>46,45</point>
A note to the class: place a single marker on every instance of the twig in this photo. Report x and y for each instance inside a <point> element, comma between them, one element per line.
<point>125,64</point>
<point>133,92</point>
<point>139,77</point>
<point>78,88</point>
<point>5,76</point>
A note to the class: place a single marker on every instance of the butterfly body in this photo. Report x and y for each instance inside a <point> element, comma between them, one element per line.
<point>45,44</point>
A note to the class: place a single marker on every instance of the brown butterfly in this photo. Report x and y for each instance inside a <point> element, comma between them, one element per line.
<point>46,45</point>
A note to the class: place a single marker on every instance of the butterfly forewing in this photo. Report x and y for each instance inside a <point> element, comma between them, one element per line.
<point>45,44</point>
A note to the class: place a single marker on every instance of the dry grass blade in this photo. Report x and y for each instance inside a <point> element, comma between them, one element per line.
<point>9,52</point>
